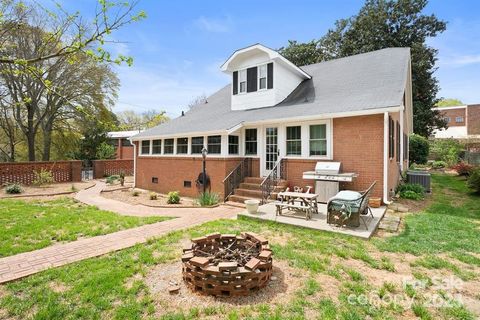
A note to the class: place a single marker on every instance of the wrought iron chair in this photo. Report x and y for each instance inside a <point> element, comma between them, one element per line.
<point>349,207</point>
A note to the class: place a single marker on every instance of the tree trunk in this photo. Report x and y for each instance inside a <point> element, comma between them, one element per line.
<point>31,133</point>
<point>47,142</point>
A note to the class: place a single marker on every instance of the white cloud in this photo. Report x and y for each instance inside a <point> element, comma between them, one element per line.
<point>459,60</point>
<point>222,25</point>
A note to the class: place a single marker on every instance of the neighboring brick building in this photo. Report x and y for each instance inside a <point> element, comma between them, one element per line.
<point>463,122</point>
<point>120,140</point>
<point>355,110</point>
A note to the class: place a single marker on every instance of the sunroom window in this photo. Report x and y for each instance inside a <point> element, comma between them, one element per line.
<point>294,140</point>
<point>214,144</point>
<point>318,140</point>
<point>197,145</point>
<point>182,145</point>
<point>262,77</point>
<point>156,146</point>
<point>145,147</point>
<point>232,144</point>
<point>251,141</point>
<point>168,146</point>
<point>242,81</point>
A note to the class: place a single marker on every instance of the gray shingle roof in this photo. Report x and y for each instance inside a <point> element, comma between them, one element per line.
<point>357,83</point>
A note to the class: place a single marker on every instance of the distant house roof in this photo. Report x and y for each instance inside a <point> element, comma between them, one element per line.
<point>122,134</point>
<point>347,85</point>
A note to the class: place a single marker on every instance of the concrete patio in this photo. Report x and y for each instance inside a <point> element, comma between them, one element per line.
<point>318,221</point>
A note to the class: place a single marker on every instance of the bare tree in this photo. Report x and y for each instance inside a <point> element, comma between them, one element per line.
<point>201,99</point>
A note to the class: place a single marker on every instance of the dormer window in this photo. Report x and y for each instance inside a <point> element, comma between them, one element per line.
<point>242,81</point>
<point>262,77</point>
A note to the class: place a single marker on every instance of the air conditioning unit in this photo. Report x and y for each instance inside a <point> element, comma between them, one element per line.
<point>420,177</point>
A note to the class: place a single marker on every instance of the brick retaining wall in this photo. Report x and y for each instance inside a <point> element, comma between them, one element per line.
<point>103,168</point>
<point>23,172</point>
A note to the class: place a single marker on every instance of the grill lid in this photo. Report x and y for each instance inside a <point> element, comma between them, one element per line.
<point>327,167</point>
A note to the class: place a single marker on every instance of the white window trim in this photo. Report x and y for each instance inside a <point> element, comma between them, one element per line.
<point>327,140</point>
<point>176,146</point>
<point>141,148</point>
<point>238,89</point>
<point>266,77</point>
<point>191,145</point>
<point>151,147</point>
<point>163,148</point>
<point>459,121</point>
<point>220,144</point>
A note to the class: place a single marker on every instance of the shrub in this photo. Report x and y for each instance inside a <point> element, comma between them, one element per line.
<point>473,181</point>
<point>105,151</point>
<point>208,199</point>
<point>42,177</point>
<point>411,191</point>
<point>135,193</point>
<point>122,178</point>
<point>463,169</point>
<point>173,197</point>
<point>439,164</point>
<point>112,179</point>
<point>153,196</point>
<point>447,150</point>
<point>13,188</point>
<point>419,149</point>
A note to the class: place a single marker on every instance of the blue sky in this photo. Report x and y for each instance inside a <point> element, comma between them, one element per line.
<point>178,49</point>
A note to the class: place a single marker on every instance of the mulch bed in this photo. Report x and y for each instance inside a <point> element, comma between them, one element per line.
<point>54,189</point>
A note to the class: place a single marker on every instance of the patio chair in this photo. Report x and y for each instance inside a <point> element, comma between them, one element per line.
<point>349,207</point>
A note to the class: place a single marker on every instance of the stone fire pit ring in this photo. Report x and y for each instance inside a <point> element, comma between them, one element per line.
<point>227,264</point>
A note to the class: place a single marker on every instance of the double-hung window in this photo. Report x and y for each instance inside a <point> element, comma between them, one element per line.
<point>318,140</point>
<point>145,147</point>
<point>262,77</point>
<point>294,141</point>
<point>197,145</point>
<point>250,141</point>
<point>232,144</point>
<point>182,145</point>
<point>168,146</point>
<point>242,81</point>
<point>214,144</point>
<point>459,119</point>
<point>156,146</point>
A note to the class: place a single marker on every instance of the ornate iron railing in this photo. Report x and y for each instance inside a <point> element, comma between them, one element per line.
<point>237,176</point>
<point>268,185</point>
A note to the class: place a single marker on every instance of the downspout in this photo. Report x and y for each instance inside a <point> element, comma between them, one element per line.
<point>385,158</point>
<point>134,162</point>
<point>402,110</point>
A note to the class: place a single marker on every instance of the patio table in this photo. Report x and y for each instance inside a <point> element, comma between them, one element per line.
<point>307,202</point>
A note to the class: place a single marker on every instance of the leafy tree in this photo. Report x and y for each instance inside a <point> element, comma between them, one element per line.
<point>449,103</point>
<point>382,24</point>
<point>69,33</point>
<point>105,151</point>
<point>419,149</point>
<point>130,120</point>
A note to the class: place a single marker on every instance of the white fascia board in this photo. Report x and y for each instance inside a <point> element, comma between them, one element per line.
<point>449,108</point>
<point>180,135</point>
<point>235,128</point>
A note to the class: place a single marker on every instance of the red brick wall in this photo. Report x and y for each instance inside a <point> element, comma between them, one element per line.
<point>473,126</point>
<point>452,114</point>
<point>124,153</point>
<point>23,172</point>
<point>103,168</point>
<point>173,171</point>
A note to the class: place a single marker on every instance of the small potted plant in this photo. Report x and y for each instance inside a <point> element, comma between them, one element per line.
<point>252,205</point>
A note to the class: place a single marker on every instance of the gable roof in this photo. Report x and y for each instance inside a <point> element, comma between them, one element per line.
<point>360,83</point>
<point>272,55</point>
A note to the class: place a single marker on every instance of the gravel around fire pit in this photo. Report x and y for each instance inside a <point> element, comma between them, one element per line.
<point>285,282</point>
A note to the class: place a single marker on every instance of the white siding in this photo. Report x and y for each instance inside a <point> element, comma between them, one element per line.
<point>284,82</point>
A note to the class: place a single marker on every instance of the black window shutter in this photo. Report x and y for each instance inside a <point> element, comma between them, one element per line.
<point>270,75</point>
<point>252,79</point>
<point>235,82</point>
<point>390,137</point>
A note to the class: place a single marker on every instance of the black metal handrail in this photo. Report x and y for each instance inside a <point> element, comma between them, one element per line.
<point>268,184</point>
<point>237,176</point>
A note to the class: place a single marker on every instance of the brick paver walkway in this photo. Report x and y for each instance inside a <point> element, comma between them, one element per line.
<point>28,263</point>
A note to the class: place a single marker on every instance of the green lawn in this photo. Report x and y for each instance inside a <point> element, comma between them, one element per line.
<point>114,286</point>
<point>27,226</point>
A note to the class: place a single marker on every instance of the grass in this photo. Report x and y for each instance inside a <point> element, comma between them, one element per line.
<point>27,226</point>
<point>113,287</point>
<point>437,229</point>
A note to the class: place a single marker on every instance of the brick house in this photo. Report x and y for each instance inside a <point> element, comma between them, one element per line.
<point>463,122</point>
<point>120,140</point>
<point>356,110</point>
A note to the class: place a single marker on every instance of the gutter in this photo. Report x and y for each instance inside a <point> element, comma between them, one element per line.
<point>134,162</point>
<point>385,158</point>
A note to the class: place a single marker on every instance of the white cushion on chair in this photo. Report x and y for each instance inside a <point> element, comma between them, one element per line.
<point>347,195</point>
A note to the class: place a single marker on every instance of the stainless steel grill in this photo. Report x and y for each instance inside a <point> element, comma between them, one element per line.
<point>327,177</point>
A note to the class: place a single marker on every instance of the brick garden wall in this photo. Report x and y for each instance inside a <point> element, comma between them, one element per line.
<point>23,172</point>
<point>103,168</point>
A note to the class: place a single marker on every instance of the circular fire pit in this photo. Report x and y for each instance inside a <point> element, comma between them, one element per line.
<point>227,264</point>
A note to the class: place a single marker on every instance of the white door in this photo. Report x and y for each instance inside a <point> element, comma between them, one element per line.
<point>270,155</point>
